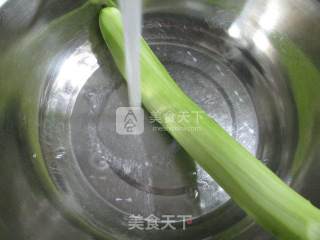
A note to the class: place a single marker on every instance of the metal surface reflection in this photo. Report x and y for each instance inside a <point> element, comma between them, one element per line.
<point>252,65</point>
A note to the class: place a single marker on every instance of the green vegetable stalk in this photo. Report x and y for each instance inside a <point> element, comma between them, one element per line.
<point>254,187</point>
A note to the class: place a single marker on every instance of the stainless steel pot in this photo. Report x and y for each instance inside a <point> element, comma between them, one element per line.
<point>252,65</point>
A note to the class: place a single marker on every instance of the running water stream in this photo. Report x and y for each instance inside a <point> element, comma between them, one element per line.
<point>132,20</point>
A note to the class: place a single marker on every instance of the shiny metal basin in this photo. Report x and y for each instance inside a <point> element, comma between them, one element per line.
<point>65,173</point>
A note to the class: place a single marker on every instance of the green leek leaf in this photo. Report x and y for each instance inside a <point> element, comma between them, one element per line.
<point>255,188</point>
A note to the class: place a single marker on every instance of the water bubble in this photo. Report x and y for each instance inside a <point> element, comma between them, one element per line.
<point>100,162</point>
<point>127,168</point>
<point>103,178</point>
<point>60,154</point>
<point>196,194</point>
